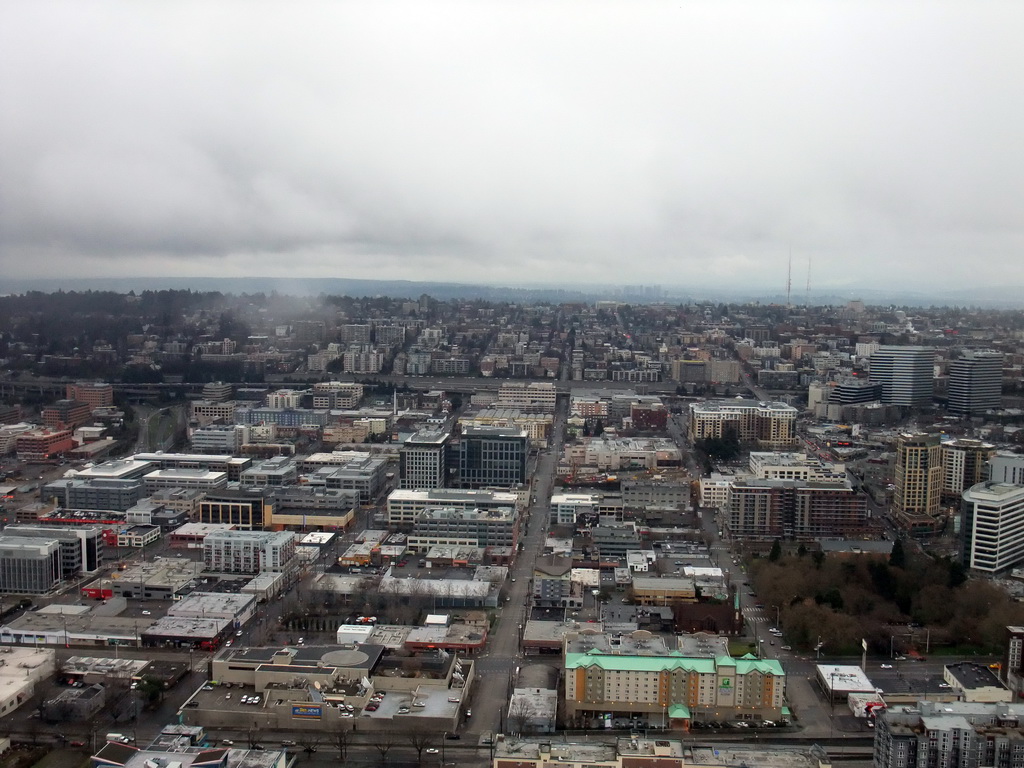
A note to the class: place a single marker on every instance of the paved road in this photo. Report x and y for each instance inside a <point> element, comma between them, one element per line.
<point>496,668</point>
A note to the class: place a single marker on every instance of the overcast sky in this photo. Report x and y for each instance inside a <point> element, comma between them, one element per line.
<point>673,143</point>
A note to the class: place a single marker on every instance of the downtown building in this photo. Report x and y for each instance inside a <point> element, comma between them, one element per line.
<point>95,394</point>
<point>81,546</point>
<point>975,382</point>
<point>771,426</point>
<point>794,509</point>
<point>964,465</point>
<point>950,734</point>
<point>423,460</point>
<point>638,678</point>
<point>29,565</point>
<point>492,457</point>
<point>992,527</point>
<point>907,375</point>
<point>469,527</point>
<point>243,508</point>
<point>405,505</point>
<point>249,551</point>
<point>918,479</point>
<point>96,493</point>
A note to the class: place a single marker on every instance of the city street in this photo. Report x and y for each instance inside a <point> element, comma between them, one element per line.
<point>496,667</point>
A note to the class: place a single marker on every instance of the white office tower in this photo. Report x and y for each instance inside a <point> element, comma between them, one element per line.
<point>992,527</point>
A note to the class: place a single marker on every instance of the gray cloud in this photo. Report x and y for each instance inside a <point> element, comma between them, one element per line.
<point>676,143</point>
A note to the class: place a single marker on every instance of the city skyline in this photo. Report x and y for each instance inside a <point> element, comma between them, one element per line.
<point>674,144</point>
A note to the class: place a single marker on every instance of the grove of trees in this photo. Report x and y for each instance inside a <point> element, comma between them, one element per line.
<point>903,602</point>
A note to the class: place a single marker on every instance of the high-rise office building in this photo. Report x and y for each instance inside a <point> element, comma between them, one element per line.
<point>918,480</point>
<point>492,456</point>
<point>423,460</point>
<point>1006,467</point>
<point>975,382</point>
<point>992,527</point>
<point>907,375</point>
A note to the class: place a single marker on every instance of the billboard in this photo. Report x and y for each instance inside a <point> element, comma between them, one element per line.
<point>307,711</point>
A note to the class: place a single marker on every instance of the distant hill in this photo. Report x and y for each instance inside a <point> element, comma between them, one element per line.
<point>991,297</point>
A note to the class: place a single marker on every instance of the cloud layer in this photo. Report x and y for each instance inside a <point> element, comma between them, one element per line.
<point>660,142</point>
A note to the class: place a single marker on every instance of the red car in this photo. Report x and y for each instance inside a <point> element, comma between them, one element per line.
<point>76,744</point>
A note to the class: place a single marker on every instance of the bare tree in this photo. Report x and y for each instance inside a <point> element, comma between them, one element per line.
<point>309,741</point>
<point>384,744</point>
<point>342,735</point>
<point>420,740</point>
<point>519,715</point>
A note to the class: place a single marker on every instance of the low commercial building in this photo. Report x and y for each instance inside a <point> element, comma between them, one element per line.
<point>164,578</point>
<point>184,500</point>
<point>364,474</point>
<point>485,528</point>
<point>43,444</point>
<point>275,472</point>
<point>29,566</point>
<point>235,607</point>
<point>303,506</point>
<point>976,682</point>
<point>94,493</point>
<point>459,638</point>
<point>249,551</point>
<point>192,535</point>
<point>201,633</point>
<point>182,746</point>
<point>624,753</point>
<point>567,508</point>
<point>179,477</point>
<point>404,505</point>
<point>67,625</point>
<point>614,454</point>
<point>838,681</point>
<point>74,704</point>
<point>533,710</point>
<point>22,674</point>
<point>243,509</point>
<point>81,547</point>
<point>665,494</point>
<point>138,536</point>
<point>553,586</point>
<point>232,466</point>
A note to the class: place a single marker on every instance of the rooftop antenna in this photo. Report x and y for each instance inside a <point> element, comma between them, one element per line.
<point>789,281</point>
<point>807,301</point>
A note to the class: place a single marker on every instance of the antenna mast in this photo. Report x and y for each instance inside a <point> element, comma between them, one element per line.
<point>807,301</point>
<point>789,281</point>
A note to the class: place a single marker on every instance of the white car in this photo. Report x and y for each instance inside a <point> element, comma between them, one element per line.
<point>887,666</point>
